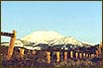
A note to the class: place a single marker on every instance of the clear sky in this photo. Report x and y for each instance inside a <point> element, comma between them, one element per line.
<point>81,20</point>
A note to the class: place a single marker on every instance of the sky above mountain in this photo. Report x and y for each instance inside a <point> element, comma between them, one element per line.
<point>81,20</point>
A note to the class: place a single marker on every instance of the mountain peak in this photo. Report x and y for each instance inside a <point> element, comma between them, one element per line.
<point>42,35</point>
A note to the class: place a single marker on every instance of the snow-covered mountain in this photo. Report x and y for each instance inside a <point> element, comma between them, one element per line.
<point>42,36</point>
<point>45,39</point>
<point>50,38</point>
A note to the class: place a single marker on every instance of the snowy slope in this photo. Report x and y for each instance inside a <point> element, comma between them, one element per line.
<point>68,40</point>
<point>17,43</point>
<point>42,36</point>
<point>50,38</point>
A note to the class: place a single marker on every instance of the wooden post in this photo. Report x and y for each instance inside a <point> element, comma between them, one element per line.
<point>80,54</point>
<point>48,56</point>
<point>99,49</point>
<point>76,55</point>
<point>71,54</point>
<point>84,55</point>
<point>58,56</point>
<point>11,46</point>
<point>89,55</point>
<point>65,56</point>
<point>92,55</point>
<point>33,52</point>
<point>21,52</point>
<point>97,54</point>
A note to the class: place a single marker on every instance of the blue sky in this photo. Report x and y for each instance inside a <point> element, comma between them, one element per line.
<point>81,20</point>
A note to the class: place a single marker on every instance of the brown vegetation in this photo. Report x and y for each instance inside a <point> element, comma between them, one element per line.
<point>40,59</point>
